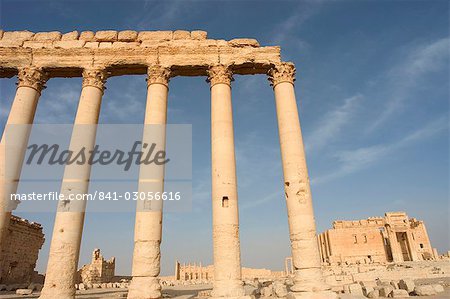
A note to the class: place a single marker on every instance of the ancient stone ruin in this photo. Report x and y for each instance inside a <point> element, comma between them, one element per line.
<point>37,57</point>
<point>392,238</point>
<point>20,254</point>
<point>197,272</point>
<point>98,271</point>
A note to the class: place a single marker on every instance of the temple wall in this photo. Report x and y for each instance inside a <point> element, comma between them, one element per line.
<point>24,242</point>
<point>394,237</point>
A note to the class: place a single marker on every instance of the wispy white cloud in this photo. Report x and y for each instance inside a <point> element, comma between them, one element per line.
<point>351,161</point>
<point>125,104</point>
<point>332,123</point>
<point>162,14</point>
<point>274,196</point>
<point>403,77</point>
<point>58,103</point>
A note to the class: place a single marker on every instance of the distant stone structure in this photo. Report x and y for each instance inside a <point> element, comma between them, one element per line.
<point>392,238</point>
<point>99,270</point>
<point>25,239</point>
<point>189,272</point>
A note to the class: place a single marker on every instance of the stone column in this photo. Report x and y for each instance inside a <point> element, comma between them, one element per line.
<point>31,81</point>
<point>66,239</point>
<point>308,277</point>
<point>227,255</point>
<point>148,224</point>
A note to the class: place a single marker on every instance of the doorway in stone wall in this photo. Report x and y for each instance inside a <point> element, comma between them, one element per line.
<point>402,239</point>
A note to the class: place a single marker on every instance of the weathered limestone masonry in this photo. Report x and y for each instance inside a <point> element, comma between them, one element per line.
<point>98,271</point>
<point>25,239</point>
<point>393,238</point>
<point>197,272</point>
<point>162,55</point>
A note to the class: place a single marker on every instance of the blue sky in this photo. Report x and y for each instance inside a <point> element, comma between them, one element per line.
<point>373,93</point>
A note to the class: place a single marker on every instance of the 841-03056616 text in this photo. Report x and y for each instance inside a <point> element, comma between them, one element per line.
<point>99,195</point>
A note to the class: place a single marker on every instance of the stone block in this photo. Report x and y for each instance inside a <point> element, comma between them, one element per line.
<point>399,293</point>
<point>10,43</point>
<point>87,36</point>
<point>125,45</point>
<point>154,35</point>
<point>385,290</point>
<point>73,35</point>
<point>38,44</point>
<point>250,290</point>
<point>243,42</point>
<point>366,290</point>
<point>81,286</point>
<point>355,289</point>
<point>51,36</point>
<point>374,294</point>
<point>24,292</point>
<point>394,284</point>
<point>199,34</point>
<point>267,291</point>
<point>127,36</point>
<point>424,290</point>
<point>406,284</point>
<point>438,288</point>
<point>152,43</point>
<point>280,290</point>
<point>17,35</point>
<point>106,36</point>
<point>220,42</point>
<point>105,45</point>
<point>91,45</point>
<point>69,44</point>
<point>181,34</point>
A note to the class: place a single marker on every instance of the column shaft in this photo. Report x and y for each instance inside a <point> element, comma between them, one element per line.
<point>226,244</point>
<point>68,228</point>
<point>149,214</point>
<point>14,140</point>
<point>305,252</point>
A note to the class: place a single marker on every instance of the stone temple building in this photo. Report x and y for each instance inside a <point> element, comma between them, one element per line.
<point>99,270</point>
<point>194,271</point>
<point>392,238</point>
<point>25,239</point>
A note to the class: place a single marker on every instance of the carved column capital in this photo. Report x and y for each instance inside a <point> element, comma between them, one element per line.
<point>282,72</point>
<point>32,77</point>
<point>219,74</point>
<point>95,77</point>
<point>157,74</point>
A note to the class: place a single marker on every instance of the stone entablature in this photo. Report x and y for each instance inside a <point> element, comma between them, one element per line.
<point>393,238</point>
<point>25,239</point>
<point>131,52</point>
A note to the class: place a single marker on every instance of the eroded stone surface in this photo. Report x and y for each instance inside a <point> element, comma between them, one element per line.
<point>191,53</point>
<point>24,242</point>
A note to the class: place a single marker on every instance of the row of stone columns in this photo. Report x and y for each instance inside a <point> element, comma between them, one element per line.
<point>31,82</point>
<point>66,240</point>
